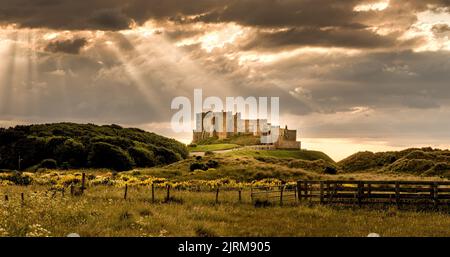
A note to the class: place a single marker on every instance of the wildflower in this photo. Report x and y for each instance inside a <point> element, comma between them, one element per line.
<point>163,232</point>
<point>3,232</point>
<point>36,230</point>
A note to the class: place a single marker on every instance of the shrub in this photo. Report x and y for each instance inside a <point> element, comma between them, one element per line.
<point>198,166</point>
<point>121,142</point>
<point>104,155</point>
<point>142,157</point>
<point>19,179</point>
<point>48,164</point>
<point>72,143</point>
<point>212,164</point>
<point>165,155</point>
<point>65,166</point>
<point>413,166</point>
<point>71,152</point>
<point>330,170</point>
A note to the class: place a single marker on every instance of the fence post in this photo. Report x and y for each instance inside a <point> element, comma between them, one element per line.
<point>295,194</point>
<point>240,195</point>
<point>153,192</point>
<point>168,193</point>
<point>6,198</point>
<point>321,192</point>
<point>435,194</point>
<point>126,192</point>
<point>360,193</point>
<point>217,195</point>
<point>251,193</point>
<point>71,190</point>
<point>22,198</point>
<point>299,191</point>
<point>83,181</point>
<point>281,195</point>
<point>397,193</point>
<point>306,190</point>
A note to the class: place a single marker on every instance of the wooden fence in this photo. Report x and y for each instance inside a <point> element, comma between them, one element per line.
<point>435,193</point>
<point>371,192</point>
<point>274,194</point>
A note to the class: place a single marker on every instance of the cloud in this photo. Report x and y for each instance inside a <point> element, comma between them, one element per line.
<point>338,72</point>
<point>109,19</point>
<point>96,14</point>
<point>118,14</point>
<point>440,28</point>
<point>333,37</point>
<point>68,46</point>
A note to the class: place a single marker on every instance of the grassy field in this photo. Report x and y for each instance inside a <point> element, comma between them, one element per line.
<point>213,147</point>
<point>102,211</point>
<point>294,154</point>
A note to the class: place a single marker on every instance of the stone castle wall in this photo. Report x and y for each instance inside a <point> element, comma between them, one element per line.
<point>287,139</point>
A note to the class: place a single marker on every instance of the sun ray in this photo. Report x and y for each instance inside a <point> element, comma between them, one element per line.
<point>134,75</point>
<point>8,78</point>
<point>191,75</point>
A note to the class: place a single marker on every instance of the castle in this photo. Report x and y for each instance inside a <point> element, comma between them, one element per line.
<point>224,125</point>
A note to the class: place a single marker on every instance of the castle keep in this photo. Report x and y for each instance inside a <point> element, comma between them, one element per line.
<point>224,125</point>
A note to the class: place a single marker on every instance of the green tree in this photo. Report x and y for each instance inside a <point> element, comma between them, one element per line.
<point>104,155</point>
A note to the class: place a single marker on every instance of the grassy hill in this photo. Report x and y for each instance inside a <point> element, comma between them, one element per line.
<point>211,147</point>
<point>248,165</point>
<point>293,154</point>
<point>70,145</point>
<point>418,161</point>
<point>241,140</point>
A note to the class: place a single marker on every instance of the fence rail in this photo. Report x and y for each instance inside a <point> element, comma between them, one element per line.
<point>281,194</point>
<point>369,192</point>
<point>436,193</point>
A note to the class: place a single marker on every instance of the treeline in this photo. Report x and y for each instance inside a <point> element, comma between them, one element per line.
<point>71,145</point>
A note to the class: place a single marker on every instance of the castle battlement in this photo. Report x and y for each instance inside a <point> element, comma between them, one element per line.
<point>224,125</point>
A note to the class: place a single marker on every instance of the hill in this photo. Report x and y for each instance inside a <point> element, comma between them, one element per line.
<point>241,140</point>
<point>306,155</point>
<point>71,145</point>
<point>418,161</point>
<point>247,165</point>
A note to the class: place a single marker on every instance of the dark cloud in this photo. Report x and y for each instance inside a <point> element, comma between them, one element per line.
<point>112,19</point>
<point>118,14</point>
<point>334,37</point>
<point>69,46</point>
<point>441,28</point>
<point>132,77</point>
<point>319,13</point>
<point>96,14</point>
<point>303,22</point>
<point>336,82</point>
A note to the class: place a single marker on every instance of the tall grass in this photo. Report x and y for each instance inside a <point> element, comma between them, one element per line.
<point>102,211</point>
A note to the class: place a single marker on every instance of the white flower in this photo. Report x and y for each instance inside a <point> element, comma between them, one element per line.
<point>37,230</point>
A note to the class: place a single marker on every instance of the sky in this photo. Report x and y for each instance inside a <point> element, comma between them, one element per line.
<point>351,75</point>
